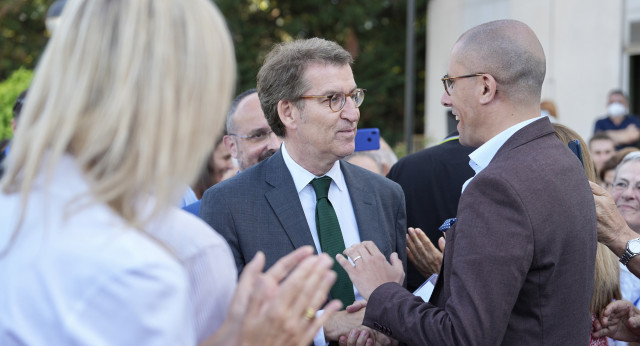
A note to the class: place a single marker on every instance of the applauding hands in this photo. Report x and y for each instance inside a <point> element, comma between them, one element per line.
<point>278,307</point>
<point>620,320</point>
<point>422,253</point>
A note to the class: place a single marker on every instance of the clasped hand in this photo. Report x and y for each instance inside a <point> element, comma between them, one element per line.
<point>370,268</point>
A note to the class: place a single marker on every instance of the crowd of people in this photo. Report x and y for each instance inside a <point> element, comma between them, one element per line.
<point>292,242</point>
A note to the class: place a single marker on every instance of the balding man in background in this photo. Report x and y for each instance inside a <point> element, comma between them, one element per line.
<point>249,138</point>
<point>519,262</point>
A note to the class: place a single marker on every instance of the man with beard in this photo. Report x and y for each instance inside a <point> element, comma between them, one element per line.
<point>249,139</point>
<point>518,267</point>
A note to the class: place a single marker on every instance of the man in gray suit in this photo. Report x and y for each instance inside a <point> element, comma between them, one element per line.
<point>309,97</point>
<point>519,261</point>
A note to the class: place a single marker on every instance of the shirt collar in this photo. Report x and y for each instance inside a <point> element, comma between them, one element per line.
<point>481,157</point>
<point>302,177</point>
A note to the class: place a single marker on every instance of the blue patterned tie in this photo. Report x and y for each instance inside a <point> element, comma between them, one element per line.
<point>331,240</point>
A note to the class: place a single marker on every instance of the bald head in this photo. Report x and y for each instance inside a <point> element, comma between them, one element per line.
<point>509,51</point>
<point>249,138</point>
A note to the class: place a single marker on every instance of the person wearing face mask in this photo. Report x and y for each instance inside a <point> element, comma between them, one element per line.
<point>622,127</point>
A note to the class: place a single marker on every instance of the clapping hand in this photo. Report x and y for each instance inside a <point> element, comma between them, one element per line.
<point>422,253</point>
<point>620,320</point>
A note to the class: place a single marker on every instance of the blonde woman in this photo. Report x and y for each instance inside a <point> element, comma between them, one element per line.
<point>91,250</point>
<point>607,272</point>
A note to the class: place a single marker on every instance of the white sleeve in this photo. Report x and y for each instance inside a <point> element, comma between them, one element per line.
<point>212,276</point>
<point>319,339</point>
<point>144,305</point>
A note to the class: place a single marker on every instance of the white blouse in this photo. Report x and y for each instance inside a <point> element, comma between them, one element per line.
<point>76,274</point>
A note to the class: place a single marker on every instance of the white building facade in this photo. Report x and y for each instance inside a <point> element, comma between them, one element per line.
<point>592,47</point>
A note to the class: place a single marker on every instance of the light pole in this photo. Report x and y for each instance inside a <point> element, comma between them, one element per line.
<point>410,78</point>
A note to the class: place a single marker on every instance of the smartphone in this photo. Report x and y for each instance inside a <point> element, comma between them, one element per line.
<point>367,139</point>
<point>575,147</point>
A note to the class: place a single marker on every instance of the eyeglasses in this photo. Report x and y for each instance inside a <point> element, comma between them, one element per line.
<point>448,81</point>
<point>338,100</point>
<point>257,137</point>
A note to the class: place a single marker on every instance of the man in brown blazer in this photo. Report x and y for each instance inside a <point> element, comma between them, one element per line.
<point>519,262</point>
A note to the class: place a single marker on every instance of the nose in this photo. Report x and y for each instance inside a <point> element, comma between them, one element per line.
<point>445,100</point>
<point>274,142</point>
<point>628,193</point>
<point>350,111</point>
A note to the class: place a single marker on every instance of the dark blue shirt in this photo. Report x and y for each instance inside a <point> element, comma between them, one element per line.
<point>606,124</point>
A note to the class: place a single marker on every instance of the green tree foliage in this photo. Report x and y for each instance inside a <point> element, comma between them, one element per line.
<point>22,34</point>
<point>373,31</point>
<point>9,91</point>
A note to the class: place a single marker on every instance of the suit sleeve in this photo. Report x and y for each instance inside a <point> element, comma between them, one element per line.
<point>401,231</point>
<point>215,212</point>
<point>487,258</point>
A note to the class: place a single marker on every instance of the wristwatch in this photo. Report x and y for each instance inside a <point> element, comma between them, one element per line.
<point>633,249</point>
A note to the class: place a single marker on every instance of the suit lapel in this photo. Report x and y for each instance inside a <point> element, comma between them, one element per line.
<point>533,131</point>
<point>364,206</point>
<point>285,202</point>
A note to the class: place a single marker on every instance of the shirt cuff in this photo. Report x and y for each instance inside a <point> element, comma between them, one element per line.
<point>319,339</point>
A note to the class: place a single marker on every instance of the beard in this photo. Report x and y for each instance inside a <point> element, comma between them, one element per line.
<point>266,154</point>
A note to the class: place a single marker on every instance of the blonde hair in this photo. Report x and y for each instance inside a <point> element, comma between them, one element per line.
<point>132,90</point>
<point>607,271</point>
<point>550,107</point>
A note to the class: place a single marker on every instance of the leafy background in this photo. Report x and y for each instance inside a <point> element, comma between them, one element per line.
<point>372,31</point>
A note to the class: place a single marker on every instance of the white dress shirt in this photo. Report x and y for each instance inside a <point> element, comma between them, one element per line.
<point>76,274</point>
<point>482,156</point>
<point>339,198</point>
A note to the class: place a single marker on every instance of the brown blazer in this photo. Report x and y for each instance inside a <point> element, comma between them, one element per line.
<point>518,265</point>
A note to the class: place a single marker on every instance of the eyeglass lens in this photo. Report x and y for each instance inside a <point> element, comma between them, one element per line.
<point>448,83</point>
<point>339,99</point>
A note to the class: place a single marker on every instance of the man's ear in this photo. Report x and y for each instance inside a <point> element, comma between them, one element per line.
<point>287,113</point>
<point>230,144</point>
<point>489,89</point>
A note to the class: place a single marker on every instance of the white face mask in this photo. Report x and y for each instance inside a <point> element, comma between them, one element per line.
<point>616,109</point>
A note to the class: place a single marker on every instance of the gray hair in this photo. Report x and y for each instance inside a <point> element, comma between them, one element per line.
<point>509,51</point>
<point>630,157</point>
<point>372,154</point>
<point>281,77</point>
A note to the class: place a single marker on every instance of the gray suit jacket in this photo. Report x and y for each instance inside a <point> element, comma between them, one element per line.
<point>518,267</point>
<point>259,210</point>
